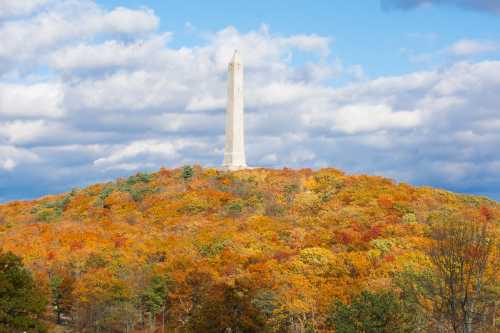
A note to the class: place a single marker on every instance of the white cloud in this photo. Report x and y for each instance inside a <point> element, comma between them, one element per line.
<point>469,78</point>
<point>134,149</point>
<point>11,157</point>
<point>31,100</point>
<point>261,48</point>
<point>311,43</point>
<point>461,49</point>
<point>8,164</point>
<point>467,47</point>
<point>128,91</point>
<point>142,154</point>
<point>202,103</point>
<point>108,54</point>
<point>365,118</point>
<point>19,7</point>
<point>126,21</point>
<point>29,39</point>
<point>17,132</point>
<point>286,93</point>
<point>163,78</point>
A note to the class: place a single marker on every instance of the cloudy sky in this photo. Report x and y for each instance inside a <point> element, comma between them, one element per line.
<point>94,90</point>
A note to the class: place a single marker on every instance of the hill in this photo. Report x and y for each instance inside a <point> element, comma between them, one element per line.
<point>271,249</point>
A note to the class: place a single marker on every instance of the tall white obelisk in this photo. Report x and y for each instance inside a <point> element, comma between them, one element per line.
<point>234,151</point>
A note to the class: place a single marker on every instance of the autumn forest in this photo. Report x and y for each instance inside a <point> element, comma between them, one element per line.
<point>263,250</point>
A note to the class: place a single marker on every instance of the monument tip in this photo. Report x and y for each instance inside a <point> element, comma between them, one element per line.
<point>236,57</point>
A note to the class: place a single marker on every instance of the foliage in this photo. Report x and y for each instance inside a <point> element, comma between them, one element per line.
<point>187,173</point>
<point>234,209</point>
<point>62,295</point>
<point>212,249</point>
<point>371,313</point>
<point>460,282</point>
<point>21,302</point>
<point>153,298</point>
<point>256,250</point>
<point>51,210</point>
<point>226,309</point>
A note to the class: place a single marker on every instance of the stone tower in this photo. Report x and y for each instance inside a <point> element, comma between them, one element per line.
<point>234,151</point>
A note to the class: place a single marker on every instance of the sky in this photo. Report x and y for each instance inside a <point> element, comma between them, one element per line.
<point>95,90</point>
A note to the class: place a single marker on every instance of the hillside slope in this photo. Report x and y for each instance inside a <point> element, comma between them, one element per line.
<point>286,242</point>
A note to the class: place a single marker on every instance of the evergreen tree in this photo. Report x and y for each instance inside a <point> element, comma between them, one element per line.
<point>187,173</point>
<point>21,302</point>
<point>371,313</point>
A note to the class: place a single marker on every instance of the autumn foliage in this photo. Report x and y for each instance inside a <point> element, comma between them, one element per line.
<point>204,250</point>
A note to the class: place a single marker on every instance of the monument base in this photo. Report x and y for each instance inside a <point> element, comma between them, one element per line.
<point>234,167</point>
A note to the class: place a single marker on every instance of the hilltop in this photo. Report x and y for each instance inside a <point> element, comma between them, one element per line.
<point>281,244</point>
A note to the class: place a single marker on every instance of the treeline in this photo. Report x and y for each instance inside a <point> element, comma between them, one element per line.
<point>455,293</point>
<point>197,250</point>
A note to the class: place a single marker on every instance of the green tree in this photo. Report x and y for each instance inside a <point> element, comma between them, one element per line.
<point>153,299</point>
<point>371,313</point>
<point>21,302</point>
<point>226,309</point>
<point>187,173</point>
<point>234,209</point>
<point>62,295</point>
<point>421,296</point>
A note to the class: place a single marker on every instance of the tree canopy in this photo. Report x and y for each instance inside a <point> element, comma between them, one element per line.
<point>21,301</point>
<point>256,250</point>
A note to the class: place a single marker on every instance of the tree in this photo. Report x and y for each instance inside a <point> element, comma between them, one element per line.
<point>226,309</point>
<point>290,190</point>
<point>460,253</point>
<point>153,299</point>
<point>234,209</point>
<point>421,297</point>
<point>107,301</point>
<point>187,173</point>
<point>371,313</point>
<point>62,295</point>
<point>456,289</point>
<point>21,302</point>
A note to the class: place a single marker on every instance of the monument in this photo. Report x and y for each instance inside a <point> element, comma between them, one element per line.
<point>234,150</point>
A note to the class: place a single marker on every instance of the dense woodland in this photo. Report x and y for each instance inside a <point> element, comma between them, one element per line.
<point>201,250</point>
